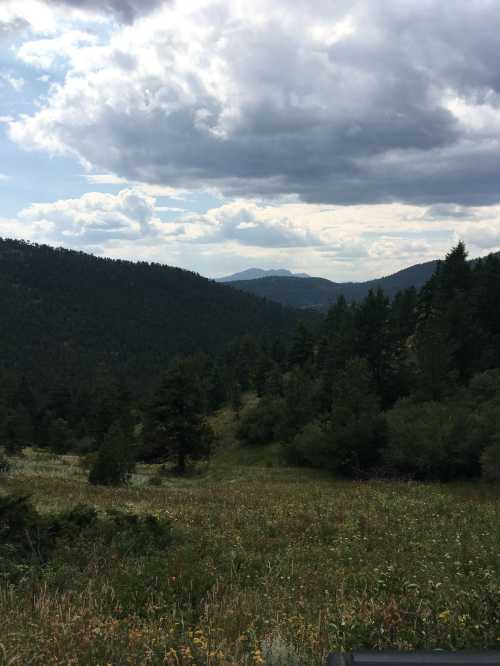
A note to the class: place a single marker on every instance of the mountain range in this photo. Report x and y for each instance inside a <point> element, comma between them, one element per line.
<point>258,273</point>
<point>319,293</point>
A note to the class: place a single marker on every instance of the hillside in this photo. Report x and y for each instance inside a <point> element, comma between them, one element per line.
<point>319,292</point>
<point>81,314</point>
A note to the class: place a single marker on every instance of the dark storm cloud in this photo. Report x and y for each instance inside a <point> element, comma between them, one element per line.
<point>126,11</point>
<point>367,117</point>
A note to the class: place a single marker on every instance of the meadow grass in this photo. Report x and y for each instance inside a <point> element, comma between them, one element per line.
<point>268,565</point>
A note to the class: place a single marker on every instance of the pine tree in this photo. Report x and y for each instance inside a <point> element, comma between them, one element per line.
<point>356,431</point>
<point>262,368</point>
<point>60,436</point>
<point>175,426</point>
<point>302,349</point>
<point>115,460</point>
<point>236,401</point>
<point>17,430</point>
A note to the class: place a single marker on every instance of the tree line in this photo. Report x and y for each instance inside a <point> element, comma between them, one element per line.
<point>408,387</point>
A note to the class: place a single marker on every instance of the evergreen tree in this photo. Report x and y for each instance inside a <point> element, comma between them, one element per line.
<point>261,372</point>
<point>115,460</point>
<point>356,432</point>
<point>300,393</point>
<point>302,349</point>
<point>454,273</point>
<point>60,436</point>
<point>236,401</point>
<point>17,430</point>
<point>340,330</point>
<point>175,425</point>
<point>274,382</point>
<point>216,388</point>
<point>375,342</point>
<point>434,355</point>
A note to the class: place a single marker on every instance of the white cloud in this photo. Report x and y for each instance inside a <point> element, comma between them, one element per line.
<point>40,17</point>
<point>106,179</point>
<point>480,236</point>
<point>7,78</point>
<point>345,102</point>
<point>342,243</point>
<point>93,219</point>
<point>248,224</point>
<point>43,53</point>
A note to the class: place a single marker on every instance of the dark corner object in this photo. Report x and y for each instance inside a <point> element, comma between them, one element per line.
<point>392,658</point>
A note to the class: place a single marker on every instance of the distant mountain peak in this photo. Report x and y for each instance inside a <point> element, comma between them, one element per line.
<point>257,273</point>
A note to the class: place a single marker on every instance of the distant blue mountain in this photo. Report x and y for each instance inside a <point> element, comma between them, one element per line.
<point>320,293</point>
<point>257,273</point>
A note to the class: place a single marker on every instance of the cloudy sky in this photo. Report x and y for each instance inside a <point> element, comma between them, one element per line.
<point>344,138</point>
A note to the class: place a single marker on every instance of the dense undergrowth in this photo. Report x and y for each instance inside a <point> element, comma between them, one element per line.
<point>243,565</point>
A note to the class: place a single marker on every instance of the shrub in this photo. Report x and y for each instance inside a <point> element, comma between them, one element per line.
<point>485,386</point>
<point>5,465</point>
<point>114,462</point>
<point>263,423</point>
<point>60,436</point>
<point>17,431</point>
<point>26,538</point>
<point>310,446</point>
<point>417,438</point>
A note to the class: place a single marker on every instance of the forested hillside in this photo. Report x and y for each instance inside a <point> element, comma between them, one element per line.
<point>408,386</point>
<point>69,314</point>
<point>319,293</point>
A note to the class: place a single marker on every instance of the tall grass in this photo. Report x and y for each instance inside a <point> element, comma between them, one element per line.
<point>268,565</point>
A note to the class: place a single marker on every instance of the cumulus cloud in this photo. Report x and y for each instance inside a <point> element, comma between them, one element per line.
<point>12,27</point>
<point>93,219</point>
<point>348,102</point>
<point>247,224</point>
<point>125,11</point>
<point>449,211</point>
<point>43,53</point>
<point>342,243</point>
<point>8,79</point>
<point>35,15</point>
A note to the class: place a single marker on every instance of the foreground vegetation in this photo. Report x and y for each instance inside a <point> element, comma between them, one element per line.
<point>254,565</point>
<point>161,523</point>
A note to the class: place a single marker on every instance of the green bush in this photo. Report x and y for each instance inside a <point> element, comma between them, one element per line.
<point>308,447</point>
<point>418,439</point>
<point>436,440</point>
<point>115,460</point>
<point>5,465</point>
<point>24,536</point>
<point>263,423</point>
<point>29,539</point>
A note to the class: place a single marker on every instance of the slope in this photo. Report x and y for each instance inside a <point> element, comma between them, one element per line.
<point>78,315</point>
<point>319,292</point>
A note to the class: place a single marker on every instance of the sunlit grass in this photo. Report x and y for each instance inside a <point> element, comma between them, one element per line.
<point>269,565</point>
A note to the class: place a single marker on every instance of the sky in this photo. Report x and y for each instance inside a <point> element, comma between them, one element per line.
<point>343,138</point>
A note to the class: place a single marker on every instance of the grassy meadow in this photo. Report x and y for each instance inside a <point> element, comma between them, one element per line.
<point>266,565</point>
